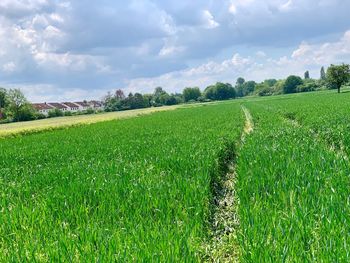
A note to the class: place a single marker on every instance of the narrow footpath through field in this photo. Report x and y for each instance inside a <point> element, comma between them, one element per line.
<point>225,222</point>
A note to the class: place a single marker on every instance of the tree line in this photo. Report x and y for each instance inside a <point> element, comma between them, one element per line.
<point>15,107</point>
<point>335,77</point>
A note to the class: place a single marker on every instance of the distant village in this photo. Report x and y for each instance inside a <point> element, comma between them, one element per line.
<point>45,108</point>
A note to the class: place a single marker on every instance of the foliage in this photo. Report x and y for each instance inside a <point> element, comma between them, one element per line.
<point>323,74</point>
<point>106,192</point>
<point>3,98</point>
<point>220,91</point>
<point>3,103</point>
<point>308,85</point>
<point>291,84</point>
<point>338,75</point>
<point>245,89</point>
<point>191,94</point>
<point>307,75</point>
<point>293,180</point>
<point>18,108</point>
<point>55,113</point>
<point>240,81</point>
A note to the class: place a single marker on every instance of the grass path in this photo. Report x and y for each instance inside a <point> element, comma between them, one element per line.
<point>224,246</point>
<point>249,124</point>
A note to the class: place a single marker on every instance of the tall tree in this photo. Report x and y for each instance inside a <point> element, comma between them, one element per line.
<point>159,91</point>
<point>3,96</point>
<point>3,101</point>
<point>338,75</point>
<point>119,94</point>
<point>220,91</point>
<point>307,75</point>
<point>291,84</point>
<point>322,74</point>
<point>18,106</point>
<point>240,81</point>
<point>191,94</point>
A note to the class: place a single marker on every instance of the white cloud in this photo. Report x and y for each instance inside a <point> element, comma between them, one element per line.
<point>208,20</point>
<point>286,6</point>
<point>87,45</point>
<point>260,54</point>
<point>305,57</point>
<point>232,9</point>
<point>9,67</point>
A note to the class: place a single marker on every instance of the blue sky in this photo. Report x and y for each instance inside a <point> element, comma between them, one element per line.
<point>79,49</point>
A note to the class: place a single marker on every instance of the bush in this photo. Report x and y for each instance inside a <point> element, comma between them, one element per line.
<point>266,91</point>
<point>90,111</point>
<point>39,116</point>
<point>68,113</point>
<point>25,113</point>
<point>55,113</point>
<point>307,87</point>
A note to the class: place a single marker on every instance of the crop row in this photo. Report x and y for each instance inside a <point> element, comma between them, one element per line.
<point>293,191</point>
<point>136,189</point>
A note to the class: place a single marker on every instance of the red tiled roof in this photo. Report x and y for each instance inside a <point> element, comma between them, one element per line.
<point>58,105</point>
<point>96,103</point>
<point>71,104</point>
<point>42,106</point>
<point>83,104</point>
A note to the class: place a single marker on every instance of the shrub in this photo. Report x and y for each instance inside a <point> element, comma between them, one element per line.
<point>55,113</point>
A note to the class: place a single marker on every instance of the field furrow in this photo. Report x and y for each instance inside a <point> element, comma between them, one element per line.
<point>223,246</point>
<point>294,195</point>
<point>122,190</point>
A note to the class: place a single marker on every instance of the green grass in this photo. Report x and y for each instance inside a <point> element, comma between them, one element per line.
<point>293,187</point>
<point>129,190</point>
<point>11,129</point>
<point>141,189</point>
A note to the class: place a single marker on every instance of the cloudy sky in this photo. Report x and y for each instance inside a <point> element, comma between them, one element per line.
<point>80,49</point>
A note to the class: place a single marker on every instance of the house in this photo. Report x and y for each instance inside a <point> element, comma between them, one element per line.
<point>83,105</point>
<point>71,106</point>
<point>97,105</point>
<point>59,106</point>
<point>43,108</point>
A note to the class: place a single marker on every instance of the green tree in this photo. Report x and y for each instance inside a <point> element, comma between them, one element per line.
<point>191,93</point>
<point>3,98</point>
<point>159,96</point>
<point>3,102</point>
<point>307,75</point>
<point>19,107</point>
<point>220,91</point>
<point>291,84</point>
<point>322,74</point>
<point>119,94</point>
<point>240,81</point>
<point>111,103</point>
<point>159,91</point>
<point>248,88</point>
<point>338,75</point>
<point>270,82</point>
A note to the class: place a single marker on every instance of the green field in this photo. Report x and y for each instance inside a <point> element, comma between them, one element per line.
<point>250,180</point>
<point>15,128</point>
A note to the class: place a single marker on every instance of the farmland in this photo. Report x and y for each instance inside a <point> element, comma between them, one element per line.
<point>155,187</point>
<point>64,122</point>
